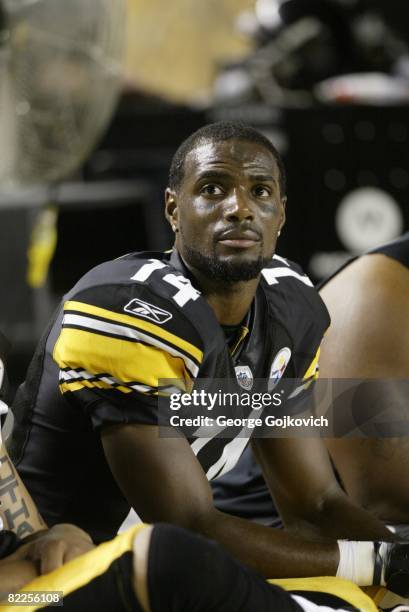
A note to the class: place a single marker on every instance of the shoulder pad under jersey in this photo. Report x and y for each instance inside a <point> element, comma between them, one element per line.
<point>143,291</point>
<point>295,303</point>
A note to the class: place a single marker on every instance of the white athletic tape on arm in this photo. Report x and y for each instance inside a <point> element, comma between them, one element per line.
<point>357,560</point>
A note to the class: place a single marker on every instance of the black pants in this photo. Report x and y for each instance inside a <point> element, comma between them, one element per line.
<point>188,573</point>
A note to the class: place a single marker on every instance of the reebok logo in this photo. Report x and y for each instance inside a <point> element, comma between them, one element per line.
<point>147,311</point>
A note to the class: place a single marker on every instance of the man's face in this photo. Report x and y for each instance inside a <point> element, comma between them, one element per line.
<point>228,209</point>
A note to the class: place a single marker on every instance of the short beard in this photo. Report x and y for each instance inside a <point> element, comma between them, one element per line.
<point>227,271</point>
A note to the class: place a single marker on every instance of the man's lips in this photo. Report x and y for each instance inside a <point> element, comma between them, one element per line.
<point>238,243</point>
<point>239,239</point>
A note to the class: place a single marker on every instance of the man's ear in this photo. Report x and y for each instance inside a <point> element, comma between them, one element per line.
<point>283,205</point>
<point>171,208</point>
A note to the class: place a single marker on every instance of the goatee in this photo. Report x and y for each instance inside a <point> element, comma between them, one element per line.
<point>225,270</point>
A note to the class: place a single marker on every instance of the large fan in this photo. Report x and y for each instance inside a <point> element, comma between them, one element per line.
<point>60,74</point>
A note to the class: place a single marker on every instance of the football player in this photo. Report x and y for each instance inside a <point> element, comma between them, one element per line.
<point>220,305</point>
<point>145,569</point>
<point>369,338</point>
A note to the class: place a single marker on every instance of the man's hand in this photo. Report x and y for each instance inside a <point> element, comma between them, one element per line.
<point>14,574</point>
<point>54,547</point>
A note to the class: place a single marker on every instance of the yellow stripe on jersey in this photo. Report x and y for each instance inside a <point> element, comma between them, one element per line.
<point>309,377</point>
<point>313,367</point>
<point>82,570</point>
<point>339,587</point>
<point>156,330</point>
<point>125,361</point>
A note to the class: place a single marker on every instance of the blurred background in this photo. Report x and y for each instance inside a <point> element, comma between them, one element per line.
<point>96,96</point>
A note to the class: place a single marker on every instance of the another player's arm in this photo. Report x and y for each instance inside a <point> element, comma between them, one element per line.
<point>42,549</point>
<point>369,338</point>
<point>163,481</point>
<point>17,509</point>
<point>301,480</point>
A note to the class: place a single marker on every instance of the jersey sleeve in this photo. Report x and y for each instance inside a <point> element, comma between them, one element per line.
<point>301,310</point>
<point>306,358</point>
<point>114,362</point>
<point>301,396</point>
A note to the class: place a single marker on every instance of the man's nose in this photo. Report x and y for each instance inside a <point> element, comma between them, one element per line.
<point>238,207</point>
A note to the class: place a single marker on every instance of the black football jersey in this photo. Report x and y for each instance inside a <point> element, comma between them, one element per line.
<point>126,326</point>
<point>398,249</point>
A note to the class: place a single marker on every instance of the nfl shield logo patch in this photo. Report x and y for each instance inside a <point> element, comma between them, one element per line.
<point>244,377</point>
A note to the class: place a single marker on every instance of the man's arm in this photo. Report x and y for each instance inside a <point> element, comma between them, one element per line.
<point>163,481</point>
<point>17,509</point>
<point>51,548</point>
<point>369,338</point>
<point>302,483</point>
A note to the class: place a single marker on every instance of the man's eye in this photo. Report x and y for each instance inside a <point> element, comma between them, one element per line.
<point>261,191</point>
<point>211,189</point>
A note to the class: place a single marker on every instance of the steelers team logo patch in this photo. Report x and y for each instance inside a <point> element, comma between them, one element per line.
<point>280,362</point>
